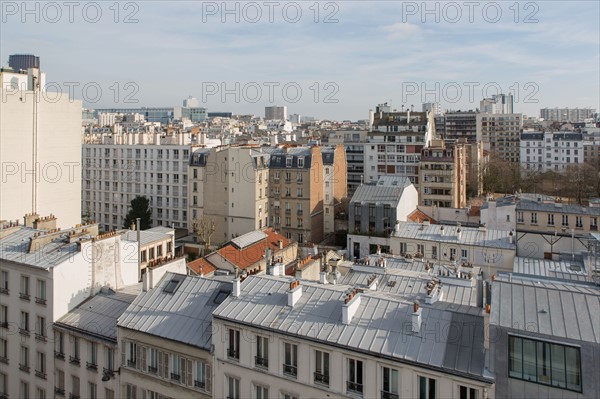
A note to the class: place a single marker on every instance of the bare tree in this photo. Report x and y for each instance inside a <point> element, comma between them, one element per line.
<point>204,227</point>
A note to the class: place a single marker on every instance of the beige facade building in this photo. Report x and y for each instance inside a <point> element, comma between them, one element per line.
<point>40,149</point>
<point>442,173</point>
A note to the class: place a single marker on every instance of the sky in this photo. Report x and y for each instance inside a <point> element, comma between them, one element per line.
<point>327,59</point>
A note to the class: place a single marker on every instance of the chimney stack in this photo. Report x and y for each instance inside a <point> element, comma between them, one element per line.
<point>351,304</point>
<point>323,277</point>
<point>416,318</point>
<point>236,287</point>
<point>294,293</point>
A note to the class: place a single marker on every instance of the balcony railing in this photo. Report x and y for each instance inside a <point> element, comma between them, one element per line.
<point>4,291</point>
<point>59,355</point>
<point>40,374</point>
<point>4,324</point>
<point>299,212</point>
<point>41,301</point>
<point>322,378</point>
<point>354,387</point>
<point>389,395</point>
<point>26,297</point>
<point>131,363</point>
<point>261,361</point>
<point>290,370</point>
<point>91,366</point>
<point>59,391</point>
<point>233,354</point>
<point>3,360</point>
<point>594,228</point>
<point>200,384</point>
<point>40,337</point>
<point>74,360</point>
<point>175,377</point>
<point>73,396</point>
<point>152,369</point>
<point>24,368</point>
<point>288,211</point>
<point>24,332</point>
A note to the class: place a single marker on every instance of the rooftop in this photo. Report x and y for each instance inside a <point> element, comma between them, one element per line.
<point>381,325</point>
<point>98,315</point>
<point>563,269</point>
<point>387,190</point>
<point>557,207</point>
<point>179,308</point>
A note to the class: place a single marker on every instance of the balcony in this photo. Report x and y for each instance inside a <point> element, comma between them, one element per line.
<point>152,369</point>
<point>3,360</point>
<point>322,378</point>
<point>299,212</point>
<point>25,297</point>
<point>288,211</point>
<point>290,370</point>
<point>4,291</point>
<point>73,396</point>
<point>4,324</point>
<point>24,332</point>
<point>74,360</point>
<point>131,363</point>
<point>389,395</point>
<point>261,361</point>
<point>175,377</point>
<point>233,354</point>
<point>200,384</point>
<point>59,355</point>
<point>91,366</point>
<point>59,391</point>
<point>594,228</point>
<point>40,374</point>
<point>354,387</point>
<point>41,338</point>
<point>24,368</point>
<point>41,301</point>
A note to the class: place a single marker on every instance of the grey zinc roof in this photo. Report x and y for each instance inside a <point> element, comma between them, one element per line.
<point>469,235</point>
<point>15,248</point>
<point>381,325</point>
<point>387,191</point>
<point>98,315</point>
<point>558,208</point>
<point>249,238</point>
<point>146,236</point>
<point>565,270</point>
<point>184,316</point>
<point>561,310</point>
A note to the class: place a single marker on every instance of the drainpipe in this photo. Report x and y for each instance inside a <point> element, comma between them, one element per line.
<point>139,241</point>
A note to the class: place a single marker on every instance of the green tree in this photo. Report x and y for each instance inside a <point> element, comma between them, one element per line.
<point>139,208</point>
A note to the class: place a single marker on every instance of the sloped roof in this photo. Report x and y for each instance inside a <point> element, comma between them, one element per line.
<point>387,190</point>
<point>201,266</point>
<point>185,315</point>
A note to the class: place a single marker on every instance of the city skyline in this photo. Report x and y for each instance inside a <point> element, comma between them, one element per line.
<point>345,57</point>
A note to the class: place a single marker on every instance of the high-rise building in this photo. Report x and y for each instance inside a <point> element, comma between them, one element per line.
<point>20,62</point>
<point>40,149</point>
<point>497,104</point>
<point>500,134</point>
<point>432,107</point>
<point>276,113</point>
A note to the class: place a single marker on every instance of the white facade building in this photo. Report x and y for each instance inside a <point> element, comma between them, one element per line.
<point>276,112</point>
<point>497,104</point>
<point>551,151</point>
<point>115,172</point>
<point>40,149</point>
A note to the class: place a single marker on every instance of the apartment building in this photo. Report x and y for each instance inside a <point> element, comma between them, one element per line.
<point>281,337</point>
<point>500,134</point>
<point>395,143</point>
<point>497,104</point>
<point>546,341</point>
<point>354,143</point>
<point>375,208</point>
<point>276,113</point>
<point>491,250</point>
<point>40,149</point>
<point>460,125</point>
<point>443,175</point>
<point>119,167</point>
<point>44,274</point>
<point>567,114</point>
<point>165,339</point>
<point>551,151</point>
<point>85,346</point>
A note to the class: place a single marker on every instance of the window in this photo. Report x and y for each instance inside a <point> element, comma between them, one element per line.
<point>176,367</point>
<point>427,388</point>
<point>467,392</point>
<point>24,360</point>
<point>3,350</point>
<point>565,220</point>
<point>4,282</point>
<point>533,218</point>
<point>153,364</point>
<point>24,287</point>
<point>41,292</point>
<point>389,383</point>
<point>550,219</point>
<point>545,363</point>
<point>203,376</point>
<point>300,162</point>
<point>289,396</point>
<point>109,393</point>
<point>60,382</point>
<point>74,357</point>
<point>24,390</point>
<point>75,384</point>
<point>520,217</point>
<point>434,252</point>
<point>130,391</point>
<point>24,322</point>
<point>40,328</point>
<point>3,384</point>
<point>3,316</point>
<point>464,253</point>
<point>233,388</point>
<point>131,354</point>
<point>578,221</point>
<point>290,359</point>
<point>233,348</point>
<point>93,354</point>
<point>262,352</point>
<point>288,162</point>
<point>40,367</point>
<point>321,367</point>
<point>59,344</point>
<point>261,392</point>
<point>354,384</point>
<point>109,358</point>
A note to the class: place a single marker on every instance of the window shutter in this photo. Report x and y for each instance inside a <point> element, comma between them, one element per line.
<point>134,392</point>
<point>182,370</point>
<point>189,368</point>
<point>166,362</point>
<point>138,357</point>
<point>161,366</point>
<point>144,351</point>
<point>208,378</point>
<point>123,360</point>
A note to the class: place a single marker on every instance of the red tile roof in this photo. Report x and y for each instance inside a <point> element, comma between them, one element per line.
<point>419,217</point>
<point>243,258</point>
<point>201,267</point>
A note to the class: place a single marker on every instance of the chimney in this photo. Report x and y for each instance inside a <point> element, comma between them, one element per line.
<point>280,242</point>
<point>351,304</point>
<point>323,277</point>
<point>30,218</point>
<point>416,318</point>
<point>294,293</point>
<point>458,231</point>
<point>236,287</point>
<point>511,237</point>
<point>372,282</point>
<point>45,223</point>
<point>441,230</point>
